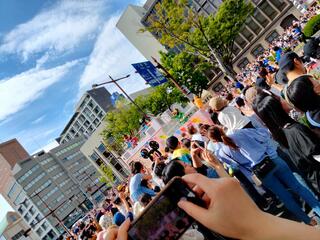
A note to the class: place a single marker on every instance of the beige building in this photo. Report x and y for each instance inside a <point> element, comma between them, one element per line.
<point>130,26</point>
<point>98,153</point>
<point>15,228</point>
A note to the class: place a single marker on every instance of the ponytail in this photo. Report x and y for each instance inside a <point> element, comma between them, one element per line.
<point>229,142</point>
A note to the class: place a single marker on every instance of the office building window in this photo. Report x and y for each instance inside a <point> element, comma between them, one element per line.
<point>268,9</point>
<point>38,218</point>
<point>39,231</point>
<point>243,63</point>
<point>260,18</point>
<point>20,210</point>
<point>12,190</point>
<point>246,33</point>
<point>279,4</point>
<point>258,50</point>
<point>32,210</point>
<point>272,36</point>
<point>33,223</point>
<point>240,41</point>
<point>18,235</point>
<point>253,25</point>
<point>19,199</point>
<point>45,226</point>
<point>27,217</point>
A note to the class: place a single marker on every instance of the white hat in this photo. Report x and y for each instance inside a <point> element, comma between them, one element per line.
<point>231,118</point>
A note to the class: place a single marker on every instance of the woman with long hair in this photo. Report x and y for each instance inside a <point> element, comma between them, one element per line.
<point>253,150</point>
<point>303,144</point>
<point>304,94</point>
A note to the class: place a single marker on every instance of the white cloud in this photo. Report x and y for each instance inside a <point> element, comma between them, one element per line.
<point>18,91</point>
<point>38,120</point>
<point>112,54</point>
<point>58,29</point>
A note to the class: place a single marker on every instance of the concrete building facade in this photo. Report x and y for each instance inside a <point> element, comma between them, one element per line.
<point>89,113</point>
<point>15,228</point>
<point>61,179</point>
<point>268,21</point>
<point>29,214</point>
<point>98,153</point>
<point>130,26</point>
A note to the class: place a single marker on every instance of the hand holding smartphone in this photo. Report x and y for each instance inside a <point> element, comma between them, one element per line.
<point>163,219</point>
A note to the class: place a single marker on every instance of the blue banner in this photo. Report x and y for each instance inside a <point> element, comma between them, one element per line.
<point>150,73</point>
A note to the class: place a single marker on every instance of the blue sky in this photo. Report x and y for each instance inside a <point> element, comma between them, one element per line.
<point>50,53</point>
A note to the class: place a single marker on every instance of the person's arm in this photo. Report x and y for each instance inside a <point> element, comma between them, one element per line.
<point>122,196</point>
<point>195,155</point>
<point>232,213</point>
<point>215,163</point>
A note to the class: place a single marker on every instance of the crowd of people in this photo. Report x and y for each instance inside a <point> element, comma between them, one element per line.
<point>259,157</point>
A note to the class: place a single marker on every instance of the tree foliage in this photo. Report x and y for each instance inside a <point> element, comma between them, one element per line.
<point>125,119</point>
<point>188,70</point>
<point>106,174</point>
<point>209,37</point>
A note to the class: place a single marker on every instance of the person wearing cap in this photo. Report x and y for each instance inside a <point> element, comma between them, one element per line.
<point>230,117</point>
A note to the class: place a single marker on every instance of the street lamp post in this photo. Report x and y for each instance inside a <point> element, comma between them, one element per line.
<point>115,81</point>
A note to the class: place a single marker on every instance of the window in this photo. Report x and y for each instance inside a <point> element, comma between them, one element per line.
<point>268,9</point>
<point>102,148</point>
<point>19,198</point>
<point>243,63</point>
<point>33,223</point>
<point>253,25</point>
<point>13,218</point>
<point>27,217</point>
<point>272,36</point>
<point>51,234</point>
<point>18,235</point>
<point>38,218</point>
<point>45,161</point>
<point>12,190</point>
<point>39,231</point>
<point>240,41</point>
<point>258,50</point>
<point>45,226</point>
<point>279,4</point>
<point>246,33</point>
<point>20,210</point>
<point>27,174</point>
<point>260,18</point>
<point>32,210</point>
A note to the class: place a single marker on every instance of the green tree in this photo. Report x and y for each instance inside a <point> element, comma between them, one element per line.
<point>160,99</point>
<point>106,174</point>
<point>125,119</point>
<point>188,70</point>
<point>208,37</point>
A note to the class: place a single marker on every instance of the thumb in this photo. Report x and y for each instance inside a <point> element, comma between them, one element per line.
<point>198,213</point>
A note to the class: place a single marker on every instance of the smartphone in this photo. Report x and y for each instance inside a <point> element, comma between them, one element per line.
<point>163,219</point>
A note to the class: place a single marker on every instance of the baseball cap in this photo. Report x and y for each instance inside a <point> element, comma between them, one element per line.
<point>217,103</point>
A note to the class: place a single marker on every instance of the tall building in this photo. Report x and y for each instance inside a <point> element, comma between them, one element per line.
<point>269,20</point>
<point>30,217</point>
<point>14,228</point>
<point>130,26</point>
<point>89,113</point>
<point>62,180</point>
<point>11,152</point>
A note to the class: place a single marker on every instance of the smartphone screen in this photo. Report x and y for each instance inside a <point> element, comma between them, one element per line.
<point>163,219</point>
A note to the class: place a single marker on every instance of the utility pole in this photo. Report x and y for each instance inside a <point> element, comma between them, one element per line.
<point>115,81</point>
<point>169,76</point>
